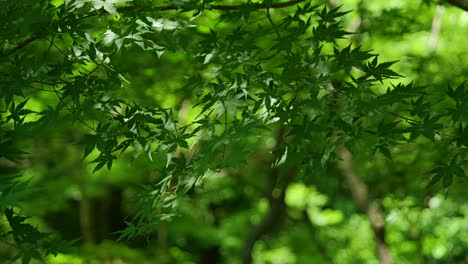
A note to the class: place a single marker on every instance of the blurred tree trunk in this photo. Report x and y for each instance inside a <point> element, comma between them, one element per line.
<point>436,27</point>
<point>86,219</point>
<point>86,212</point>
<point>278,179</point>
<point>360,193</point>
<point>163,256</point>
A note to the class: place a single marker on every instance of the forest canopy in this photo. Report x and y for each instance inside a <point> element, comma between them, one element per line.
<point>233,131</point>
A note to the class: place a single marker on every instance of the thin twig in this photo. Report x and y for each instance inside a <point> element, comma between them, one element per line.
<point>71,110</point>
<point>8,243</point>
<point>52,43</point>
<point>406,118</point>
<point>273,24</point>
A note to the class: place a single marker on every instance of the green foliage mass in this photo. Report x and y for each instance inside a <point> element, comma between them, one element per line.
<point>212,116</point>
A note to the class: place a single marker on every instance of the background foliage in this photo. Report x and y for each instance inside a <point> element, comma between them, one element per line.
<point>224,131</point>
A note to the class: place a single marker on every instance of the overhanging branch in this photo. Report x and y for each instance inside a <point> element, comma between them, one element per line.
<point>256,6</point>
<point>463,4</point>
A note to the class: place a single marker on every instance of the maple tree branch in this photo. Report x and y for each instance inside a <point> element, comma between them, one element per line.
<point>256,6</point>
<point>463,4</point>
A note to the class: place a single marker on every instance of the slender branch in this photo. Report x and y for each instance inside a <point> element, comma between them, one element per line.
<point>24,43</point>
<point>273,24</point>
<point>463,4</point>
<point>56,47</point>
<point>256,6</point>
<point>410,120</point>
<point>49,83</point>
<point>57,93</point>
<point>8,243</point>
<point>407,119</point>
